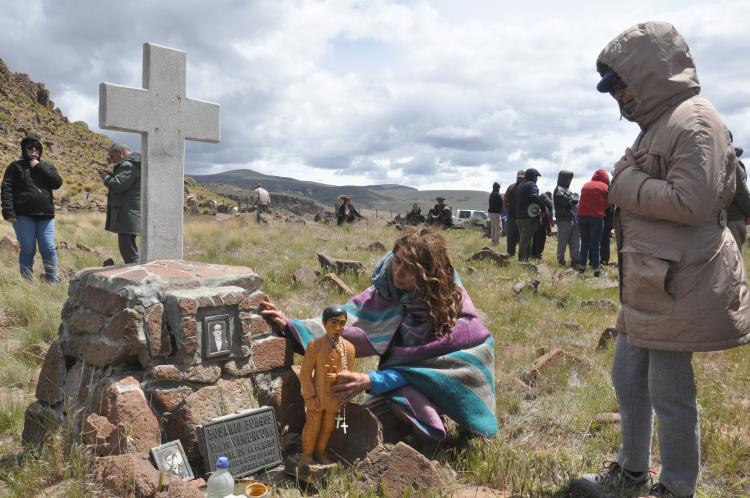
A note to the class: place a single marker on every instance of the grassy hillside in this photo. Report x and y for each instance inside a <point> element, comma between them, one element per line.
<point>548,432</point>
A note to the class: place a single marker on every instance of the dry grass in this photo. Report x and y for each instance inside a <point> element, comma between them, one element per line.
<point>547,433</point>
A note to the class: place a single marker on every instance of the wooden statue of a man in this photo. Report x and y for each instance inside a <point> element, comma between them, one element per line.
<point>324,358</point>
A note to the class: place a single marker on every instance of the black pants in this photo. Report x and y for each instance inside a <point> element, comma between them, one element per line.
<point>512,227</point>
<point>128,249</point>
<point>540,240</point>
<point>604,248</point>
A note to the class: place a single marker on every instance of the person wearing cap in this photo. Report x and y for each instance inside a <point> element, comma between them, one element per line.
<point>440,214</point>
<point>415,216</point>
<point>738,212</point>
<point>27,203</point>
<point>682,281</point>
<point>592,207</point>
<point>262,201</point>
<point>124,199</point>
<point>529,207</point>
<point>495,210</point>
<point>509,205</point>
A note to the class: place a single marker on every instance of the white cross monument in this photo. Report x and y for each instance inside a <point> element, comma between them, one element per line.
<point>165,118</point>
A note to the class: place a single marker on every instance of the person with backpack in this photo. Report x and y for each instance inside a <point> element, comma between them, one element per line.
<point>27,203</point>
<point>566,203</point>
<point>124,199</point>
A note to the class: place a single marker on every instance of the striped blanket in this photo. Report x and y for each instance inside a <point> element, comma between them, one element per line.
<point>452,375</point>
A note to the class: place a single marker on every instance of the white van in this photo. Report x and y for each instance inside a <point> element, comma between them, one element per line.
<point>473,216</point>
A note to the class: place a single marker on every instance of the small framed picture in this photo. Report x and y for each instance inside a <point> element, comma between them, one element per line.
<point>217,339</point>
<point>171,458</point>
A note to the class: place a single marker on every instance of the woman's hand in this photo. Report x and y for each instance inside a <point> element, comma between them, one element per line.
<point>270,312</point>
<point>629,159</point>
<point>350,384</point>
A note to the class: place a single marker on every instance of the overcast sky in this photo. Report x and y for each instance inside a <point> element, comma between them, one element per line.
<point>433,95</point>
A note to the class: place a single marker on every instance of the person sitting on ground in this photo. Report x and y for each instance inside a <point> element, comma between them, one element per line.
<point>436,356</point>
<point>415,216</point>
<point>346,212</point>
<point>440,214</point>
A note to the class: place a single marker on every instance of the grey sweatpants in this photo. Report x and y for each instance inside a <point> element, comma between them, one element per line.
<point>662,380</point>
<point>567,236</point>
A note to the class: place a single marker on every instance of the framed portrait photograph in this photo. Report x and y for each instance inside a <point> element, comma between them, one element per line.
<point>170,458</point>
<point>217,337</point>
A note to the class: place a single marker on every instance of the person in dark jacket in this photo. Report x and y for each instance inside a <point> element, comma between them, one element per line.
<point>27,203</point>
<point>494,210</point>
<point>509,204</point>
<point>566,203</point>
<point>440,214</point>
<point>591,208</point>
<point>415,216</point>
<point>526,197</point>
<point>124,199</point>
<point>738,212</point>
<point>347,212</point>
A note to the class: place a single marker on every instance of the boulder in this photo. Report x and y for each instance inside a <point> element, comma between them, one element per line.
<point>8,244</point>
<point>50,387</point>
<point>304,277</point>
<point>122,401</point>
<point>399,471</point>
<point>134,475</point>
<point>489,254</point>
<point>227,396</point>
<point>340,265</point>
<point>335,281</point>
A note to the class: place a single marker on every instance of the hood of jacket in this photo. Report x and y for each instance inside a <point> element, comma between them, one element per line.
<point>31,138</point>
<point>654,61</point>
<point>600,175</point>
<point>564,178</point>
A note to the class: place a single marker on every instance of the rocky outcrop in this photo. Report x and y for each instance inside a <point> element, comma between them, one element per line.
<point>147,353</point>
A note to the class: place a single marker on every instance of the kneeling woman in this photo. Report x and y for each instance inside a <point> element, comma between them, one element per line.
<point>436,356</point>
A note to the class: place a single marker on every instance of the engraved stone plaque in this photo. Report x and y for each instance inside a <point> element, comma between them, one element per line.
<point>249,439</point>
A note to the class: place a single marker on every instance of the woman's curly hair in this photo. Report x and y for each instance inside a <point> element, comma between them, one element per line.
<point>425,254</point>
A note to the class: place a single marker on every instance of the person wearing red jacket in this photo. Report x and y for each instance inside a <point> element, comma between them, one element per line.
<point>592,206</point>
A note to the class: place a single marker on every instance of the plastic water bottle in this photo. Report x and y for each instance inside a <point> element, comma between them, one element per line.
<point>221,482</point>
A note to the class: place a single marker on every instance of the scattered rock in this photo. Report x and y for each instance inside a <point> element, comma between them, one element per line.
<point>598,303</point>
<point>337,283</point>
<point>340,265</point>
<point>603,284</point>
<point>108,262</point>
<point>52,377</point>
<point>469,491</point>
<point>122,401</point>
<point>376,247</point>
<point>609,335</point>
<point>399,471</point>
<point>9,244</point>
<point>607,418</point>
<point>518,287</point>
<point>304,277</point>
<point>134,475</point>
<point>487,253</point>
<point>542,365</point>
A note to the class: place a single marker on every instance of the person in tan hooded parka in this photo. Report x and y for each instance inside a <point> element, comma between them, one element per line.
<point>682,280</point>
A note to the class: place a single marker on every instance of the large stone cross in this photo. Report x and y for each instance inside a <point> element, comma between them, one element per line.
<point>165,118</point>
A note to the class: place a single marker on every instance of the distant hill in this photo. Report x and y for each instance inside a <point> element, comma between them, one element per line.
<point>396,198</point>
<point>73,148</point>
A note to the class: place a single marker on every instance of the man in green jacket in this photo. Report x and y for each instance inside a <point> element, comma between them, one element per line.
<point>124,199</point>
